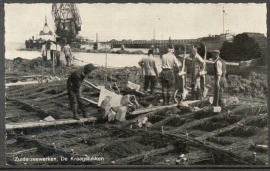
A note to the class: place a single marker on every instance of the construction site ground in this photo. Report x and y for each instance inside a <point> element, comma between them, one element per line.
<point>238,135</point>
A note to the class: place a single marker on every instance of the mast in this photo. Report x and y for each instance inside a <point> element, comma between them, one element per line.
<point>223,19</point>
<point>154,33</point>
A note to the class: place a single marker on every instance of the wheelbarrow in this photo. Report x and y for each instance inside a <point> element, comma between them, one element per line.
<point>182,90</point>
<point>116,98</point>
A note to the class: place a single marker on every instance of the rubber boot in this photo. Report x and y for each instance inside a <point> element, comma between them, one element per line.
<point>75,113</point>
<point>193,95</point>
<point>193,92</point>
<point>198,95</point>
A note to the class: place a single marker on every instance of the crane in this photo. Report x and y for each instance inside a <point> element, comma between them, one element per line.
<point>67,21</point>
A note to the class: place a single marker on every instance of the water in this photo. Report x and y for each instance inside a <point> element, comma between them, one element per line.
<point>113,60</point>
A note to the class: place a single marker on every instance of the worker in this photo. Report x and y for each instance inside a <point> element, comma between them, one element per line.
<point>52,50</point>
<point>152,47</point>
<point>74,84</point>
<point>122,47</point>
<point>167,75</point>
<point>44,51</point>
<point>198,64</point>
<point>149,71</point>
<point>68,53</point>
<point>57,54</point>
<point>220,80</point>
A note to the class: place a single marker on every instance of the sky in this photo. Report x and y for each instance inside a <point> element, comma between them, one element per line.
<point>140,21</point>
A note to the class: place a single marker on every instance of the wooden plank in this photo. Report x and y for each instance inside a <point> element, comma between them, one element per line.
<point>231,127</point>
<point>150,109</point>
<point>21,83</point>
<point>26,76</point>
<point>145,154</point>
<point>145,110</point>
<point>92,85</point>
<point>90,101</point>
<point>47,123</point>
<point>23,151</point>
<point>210,147</point>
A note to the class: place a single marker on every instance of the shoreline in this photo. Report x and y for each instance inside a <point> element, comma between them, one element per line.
<point>136,52</point>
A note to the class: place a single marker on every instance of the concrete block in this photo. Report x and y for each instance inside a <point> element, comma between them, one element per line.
<point>216,109</point>
<point>111,115</point>
<point>105,106</point>
<point>121,113</point>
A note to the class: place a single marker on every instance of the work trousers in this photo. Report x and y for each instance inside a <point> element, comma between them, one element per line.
<point>195,80</point>
<point>57,55</point>
<point>68,59</point>
<point>152,80</point>
<point>52,54</point>
<point>76,101</point>
<point>167,81</point>
<point>219,92</point>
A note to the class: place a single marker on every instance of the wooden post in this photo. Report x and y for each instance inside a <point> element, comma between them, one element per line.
<point>53,63</point>
<point>42,75</point>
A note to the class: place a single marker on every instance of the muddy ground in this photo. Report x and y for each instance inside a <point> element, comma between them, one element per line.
<point>252,85</point>
<point>236,136</point>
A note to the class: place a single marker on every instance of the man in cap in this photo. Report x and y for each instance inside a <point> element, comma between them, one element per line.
<point>74,84</point>
<point>68,53</point>
<point>167,75</point>
<point>149,70</point>
<point>220,80</point>
<point>198,64</point>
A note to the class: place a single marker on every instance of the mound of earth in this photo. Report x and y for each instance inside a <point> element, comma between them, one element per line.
<point>20,66</point>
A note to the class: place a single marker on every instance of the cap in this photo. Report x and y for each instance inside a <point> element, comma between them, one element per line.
<point>216,51</point>
<point>150,52</point>
<point>170,46</point>
<point>88,68</point>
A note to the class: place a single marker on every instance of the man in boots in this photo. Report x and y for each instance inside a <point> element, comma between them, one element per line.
<point>220,80</point>
<point>198,64</point>
<point>74,84</point>
<point>150,71</point>
<point>68,53</point>
<point>167,74</point>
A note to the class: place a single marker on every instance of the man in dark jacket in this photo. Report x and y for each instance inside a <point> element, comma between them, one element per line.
<point>74,84</point>
<point>220,80</point>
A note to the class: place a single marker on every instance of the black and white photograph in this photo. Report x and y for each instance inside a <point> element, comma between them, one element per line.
<point>136,84</point>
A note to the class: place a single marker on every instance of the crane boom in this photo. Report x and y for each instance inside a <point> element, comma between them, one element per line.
<point>67,21</point>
